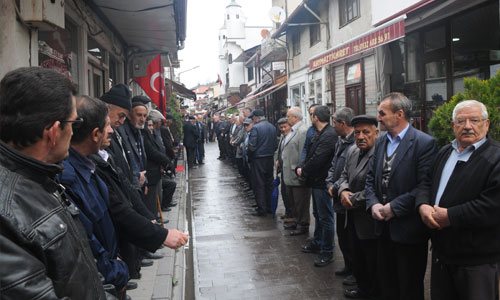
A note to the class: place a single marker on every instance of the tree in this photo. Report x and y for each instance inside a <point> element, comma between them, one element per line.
<point>173,108</point>
<point>485,91</point>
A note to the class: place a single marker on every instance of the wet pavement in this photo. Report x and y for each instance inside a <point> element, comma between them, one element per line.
<point>240,256</point>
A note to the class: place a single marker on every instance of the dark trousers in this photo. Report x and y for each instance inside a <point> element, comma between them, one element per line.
<point>222,147</point>
<point>343,240</point>
<point>463,282</point>
<point>200,152</point>
<point>301,198</point>
<point>287,201</point>
<point>168,187</point>
<point>401,269</point>
<point>191,152</point>
<point>239,164</point>
<point>262,182</point>
<point>323,217</point>
<point>364,255</point>
<point>152,197</point>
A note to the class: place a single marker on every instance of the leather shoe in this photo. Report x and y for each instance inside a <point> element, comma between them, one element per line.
<point>166,209</point>
<point>349,280</point>
<point>131,285</point>
<point>323,259</point>
<point>172,204</point>
<point>146,262</point>
<point>290,226</point>
<point>343,272</point>
<point>299,231</point>
<point>136,275</point>
<point>310,248</point>
<point>151,255</point>
<point>355,293</point>
<point>259,214</point>
<point>288,220</point>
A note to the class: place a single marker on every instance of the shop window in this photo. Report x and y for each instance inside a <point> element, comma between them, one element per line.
<point>96,50</point>
<point>314,34</point>
<point>58,50</point>
<point>237,16</point>
<point>475,40</point>
<point>349,11</point>
<point>435,81</point>
<point>353,73</point>
<point>296,43</point>
<point>227,16</point>
<point>250,73</point>
<point>230,58</point>
<point>434,39</point>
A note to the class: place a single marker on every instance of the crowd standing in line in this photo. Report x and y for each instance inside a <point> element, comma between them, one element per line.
<point>83,180</point>
<point>390,193</point>
<point>79,178</point>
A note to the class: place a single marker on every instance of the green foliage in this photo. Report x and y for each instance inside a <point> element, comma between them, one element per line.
<point>485,91</point>
<point>173,108</point>
<point>232,111</point>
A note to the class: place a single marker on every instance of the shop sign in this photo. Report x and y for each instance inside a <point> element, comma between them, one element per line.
<point>371,40</point>
<point>278,65</point>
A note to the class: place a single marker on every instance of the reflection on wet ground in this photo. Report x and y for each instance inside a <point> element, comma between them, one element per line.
<point>239,256</point>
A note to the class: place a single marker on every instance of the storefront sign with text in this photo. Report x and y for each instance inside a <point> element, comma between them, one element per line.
<point>382,36</point>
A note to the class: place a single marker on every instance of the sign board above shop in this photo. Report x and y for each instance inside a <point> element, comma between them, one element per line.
<point>374,38</point>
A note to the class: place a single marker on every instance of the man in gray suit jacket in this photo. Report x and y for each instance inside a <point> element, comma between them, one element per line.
<point>360,226</point>
<point>400,163</point>
<point>298,194</point>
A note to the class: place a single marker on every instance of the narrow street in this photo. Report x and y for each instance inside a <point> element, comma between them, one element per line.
<point>239,256</point>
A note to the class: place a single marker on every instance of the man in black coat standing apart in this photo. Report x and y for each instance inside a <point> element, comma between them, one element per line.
<point>191,137</point>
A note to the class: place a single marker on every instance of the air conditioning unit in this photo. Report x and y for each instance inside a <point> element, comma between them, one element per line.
<point>43,14</point>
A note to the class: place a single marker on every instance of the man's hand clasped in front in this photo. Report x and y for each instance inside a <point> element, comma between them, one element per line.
<point>434,217</point>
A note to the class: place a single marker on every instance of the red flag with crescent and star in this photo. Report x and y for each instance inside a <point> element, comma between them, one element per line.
<point>154,84</point>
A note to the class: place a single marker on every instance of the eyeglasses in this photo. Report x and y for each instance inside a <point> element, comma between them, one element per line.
<point>473,121</point>
<point>77,123</point>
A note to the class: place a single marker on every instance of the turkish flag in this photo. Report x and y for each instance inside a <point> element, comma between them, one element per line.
<point>154,83</point>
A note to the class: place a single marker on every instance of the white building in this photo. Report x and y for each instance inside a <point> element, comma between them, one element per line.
<point>234,38</point>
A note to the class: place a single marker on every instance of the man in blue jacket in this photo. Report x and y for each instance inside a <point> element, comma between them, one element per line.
<point>89,192</point>
<point>262,143</point>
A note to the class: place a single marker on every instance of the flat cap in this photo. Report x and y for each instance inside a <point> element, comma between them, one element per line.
<point>364,119</point>
<point>247,121</point>
<point>256,113</point>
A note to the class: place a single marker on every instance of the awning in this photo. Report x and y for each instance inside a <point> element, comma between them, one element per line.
<point>180,89</point>
<point>378,36</point>
<point>150,25</point>
<point>299,16</point>
<point>256,96</point>
<point>263,93</point>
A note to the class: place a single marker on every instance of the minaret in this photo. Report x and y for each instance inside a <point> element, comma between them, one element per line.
<point>231,34</point>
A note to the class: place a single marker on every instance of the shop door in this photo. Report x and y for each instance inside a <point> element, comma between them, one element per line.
<point>355,99</point>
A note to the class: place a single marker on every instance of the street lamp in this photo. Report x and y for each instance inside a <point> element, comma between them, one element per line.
<point>179,74</point>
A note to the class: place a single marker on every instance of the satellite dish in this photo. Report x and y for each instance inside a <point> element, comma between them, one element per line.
<point>277,14</point>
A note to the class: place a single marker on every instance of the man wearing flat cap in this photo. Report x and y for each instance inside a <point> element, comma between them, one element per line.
<point>360,226</point>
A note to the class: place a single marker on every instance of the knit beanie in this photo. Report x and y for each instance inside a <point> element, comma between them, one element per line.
<point>118,95</point>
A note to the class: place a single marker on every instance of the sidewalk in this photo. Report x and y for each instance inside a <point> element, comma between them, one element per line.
<point>165,278</point>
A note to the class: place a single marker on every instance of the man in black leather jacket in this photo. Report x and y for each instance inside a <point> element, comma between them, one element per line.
<point>44,251</point>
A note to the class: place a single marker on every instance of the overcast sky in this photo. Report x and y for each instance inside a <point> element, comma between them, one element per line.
<point>204,19</point>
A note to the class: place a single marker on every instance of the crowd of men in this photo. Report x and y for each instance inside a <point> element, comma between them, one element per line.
<point>390,193</point>
<point>83,183</point>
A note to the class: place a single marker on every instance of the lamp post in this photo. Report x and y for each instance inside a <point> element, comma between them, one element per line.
<point>179,74</point>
